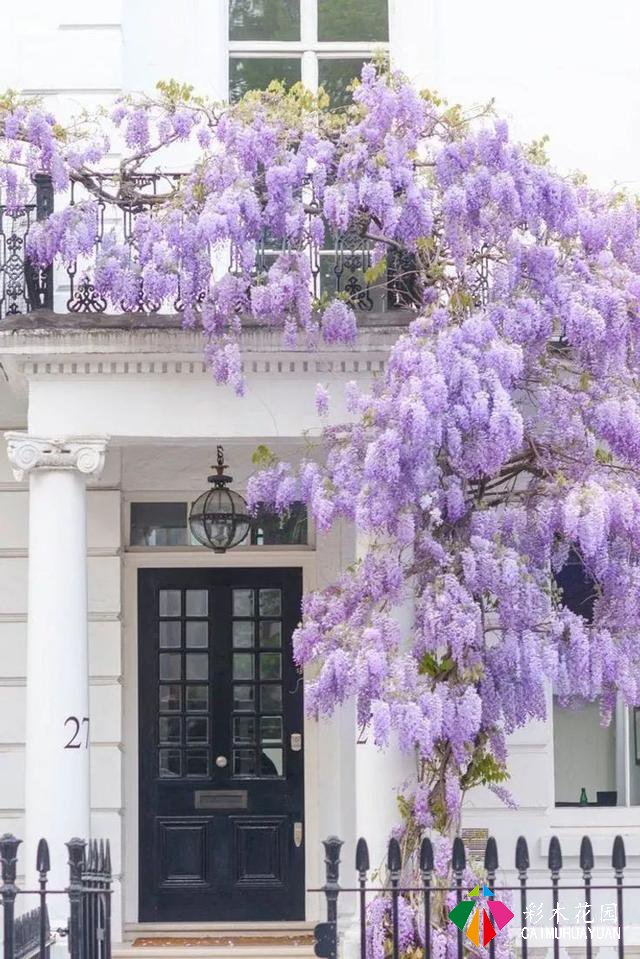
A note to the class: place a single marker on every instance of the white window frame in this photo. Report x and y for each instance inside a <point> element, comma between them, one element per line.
<point>308,47</point>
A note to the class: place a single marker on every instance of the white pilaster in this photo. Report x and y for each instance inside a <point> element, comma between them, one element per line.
<point>379,775</point>
<point>57,800</point>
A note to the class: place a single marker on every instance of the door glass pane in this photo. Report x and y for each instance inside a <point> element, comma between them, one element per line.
<point>270,602</point>
<point>359,20</point>
<point>169,665</point>
<point>197,666</point>
<point>271,729</point>
<point>244,729</point>
<point>270,666</point>
<point>170,633</point>
<point>169,729</point>
<point>242,633</point>
<point>336,76</point>
<point>170,698</point>
<point>243,602</point>
<point>264,19</point>
<point>271,762</point>
<point>256,73</point>
<point>197,699</point>
<point>197,762</point>
<point>169,602</point>
<point>243,666</point>
<point>243,697</point>
<point>169,763</point>
<point>197,602</point>
<point>271,697</point>
<point>198,730</point>
<point>197,634</point>
<point>270,634</point>
<point>244,762</point>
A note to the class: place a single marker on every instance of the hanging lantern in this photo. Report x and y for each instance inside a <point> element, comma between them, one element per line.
<point>219,518</point>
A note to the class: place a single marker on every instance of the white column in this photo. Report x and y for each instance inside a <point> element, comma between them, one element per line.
<point>57,800</point>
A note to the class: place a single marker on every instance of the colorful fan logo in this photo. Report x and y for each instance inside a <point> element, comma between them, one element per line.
<point>500,914</point>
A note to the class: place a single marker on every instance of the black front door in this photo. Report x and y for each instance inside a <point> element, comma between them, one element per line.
<point>221,761</point>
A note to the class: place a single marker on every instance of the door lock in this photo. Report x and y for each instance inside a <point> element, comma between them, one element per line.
<point>221,761</point>
<point>297,834</point>
<point>296,742</point>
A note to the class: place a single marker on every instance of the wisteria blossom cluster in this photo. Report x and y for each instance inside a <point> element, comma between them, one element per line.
<point>502,441</point>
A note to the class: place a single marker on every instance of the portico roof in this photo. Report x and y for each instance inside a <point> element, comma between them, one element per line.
<point>143,375</point>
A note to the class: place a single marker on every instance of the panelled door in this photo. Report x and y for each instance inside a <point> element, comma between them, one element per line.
<point>221,751</point>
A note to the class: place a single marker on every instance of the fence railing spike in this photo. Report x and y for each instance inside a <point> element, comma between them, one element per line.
<point>394,856</point>
<point>426,855</point>
<point>586,854</point>
<point>459,856</point>
<point>491,855</point>
<point>107,858</point>
<point>618,856</point>
<point>522,855</point>
<point>555,855</point>
<point>43,860</point>
<point>101,856</point>
<point>362,856</point>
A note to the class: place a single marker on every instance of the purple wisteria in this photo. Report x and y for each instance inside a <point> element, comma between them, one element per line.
<point>502,439</point>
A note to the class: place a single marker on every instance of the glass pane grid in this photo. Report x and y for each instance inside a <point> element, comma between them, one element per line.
<point>183,693</point>
<point>257,739</point>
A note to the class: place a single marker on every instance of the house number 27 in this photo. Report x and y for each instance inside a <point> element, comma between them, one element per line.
<point>75,725</point>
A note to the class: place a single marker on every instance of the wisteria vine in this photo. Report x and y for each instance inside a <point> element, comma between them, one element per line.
<point>502,439</point>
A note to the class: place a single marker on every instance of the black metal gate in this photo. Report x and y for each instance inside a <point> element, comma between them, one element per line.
<point>88,895</point>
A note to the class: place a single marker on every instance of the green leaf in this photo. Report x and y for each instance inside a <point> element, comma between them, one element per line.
<point>376,271</point>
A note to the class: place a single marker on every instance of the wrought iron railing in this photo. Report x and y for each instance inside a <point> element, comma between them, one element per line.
<point>429,900</point>
<point>88,899</point>
<point>339,265</point>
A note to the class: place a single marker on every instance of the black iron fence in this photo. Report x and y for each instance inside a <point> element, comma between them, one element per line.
<point>87,899</point>
<point>338,265</point>
<point>429,891</point>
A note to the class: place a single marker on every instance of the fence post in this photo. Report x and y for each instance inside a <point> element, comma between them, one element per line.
<point>491,867</point>
<point>426,871</point>
<point>76,849</point>
<point>107,906</point>
<point>394,865</point>
<point>8,891</point>
<point>459,863</point>
<point>522,865</point>
<point>43,865</point>
<point>619,861</point>
<point>327,932</point>
<point>586,864</point>
<point>362,868</point>
<point>555,865</point>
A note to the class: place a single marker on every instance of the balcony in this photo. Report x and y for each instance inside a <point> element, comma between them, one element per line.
<point>339,266</point>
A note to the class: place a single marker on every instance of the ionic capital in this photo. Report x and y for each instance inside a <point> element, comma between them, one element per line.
<point>83,453</point>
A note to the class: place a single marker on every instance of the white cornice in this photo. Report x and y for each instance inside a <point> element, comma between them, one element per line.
<point>57,351</point>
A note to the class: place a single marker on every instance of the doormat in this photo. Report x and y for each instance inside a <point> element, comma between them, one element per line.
<point>304,939</point>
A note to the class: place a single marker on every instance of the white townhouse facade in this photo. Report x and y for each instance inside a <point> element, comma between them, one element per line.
<point>147,691</point>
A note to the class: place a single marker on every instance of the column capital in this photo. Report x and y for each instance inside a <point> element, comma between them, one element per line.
<point>83,453</point>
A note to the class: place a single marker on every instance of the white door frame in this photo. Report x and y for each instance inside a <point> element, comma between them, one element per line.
<point>305,559</point>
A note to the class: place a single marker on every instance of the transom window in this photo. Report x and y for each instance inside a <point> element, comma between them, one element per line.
<point>322,43</point>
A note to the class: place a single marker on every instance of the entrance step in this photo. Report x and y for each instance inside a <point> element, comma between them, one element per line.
<point>286,940</point>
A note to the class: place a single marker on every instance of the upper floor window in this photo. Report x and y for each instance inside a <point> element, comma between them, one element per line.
<point>322,43</point>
